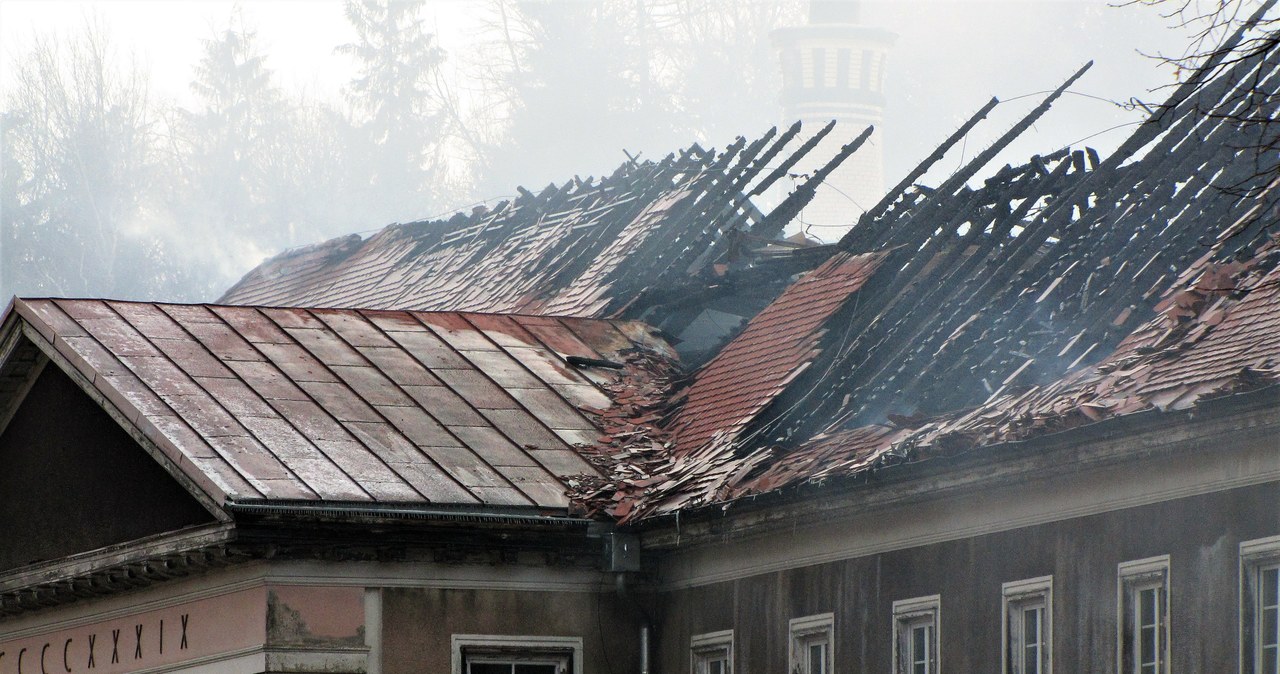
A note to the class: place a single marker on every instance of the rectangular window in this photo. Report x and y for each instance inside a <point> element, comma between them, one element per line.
<point>516,664</point>
<point>712,653</point>
<point>1028,627</point>
<point>1260,606</point>
<point>915,635</point>
<point>812,644</point>
<point>1143,621</point>
<point>510,654</point>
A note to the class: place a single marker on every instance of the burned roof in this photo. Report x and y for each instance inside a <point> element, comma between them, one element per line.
<point>594,248</point>
<point>775,347</point>
<point>1012,288</point>
<point>259,404</point>
<point>1216,335</point>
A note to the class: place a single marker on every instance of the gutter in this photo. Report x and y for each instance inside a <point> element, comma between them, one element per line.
<point>366,511</point>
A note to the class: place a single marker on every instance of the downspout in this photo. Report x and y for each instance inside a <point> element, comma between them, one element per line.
<point>644,647</point>
<point>646,628</point>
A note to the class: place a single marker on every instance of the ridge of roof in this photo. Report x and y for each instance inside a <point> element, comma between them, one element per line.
<point>584,248</point>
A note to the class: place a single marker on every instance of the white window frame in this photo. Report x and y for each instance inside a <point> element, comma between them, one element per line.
<point>806,631</point>
<point>704,648</point>
<point>1132,578</point>
<point>517,646</point>
<point>1255,556</point>
<point>909,614</point>
<point>1017,596</point>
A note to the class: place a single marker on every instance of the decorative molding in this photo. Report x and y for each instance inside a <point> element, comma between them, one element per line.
<point>1017,588</point>
<point>190,539</point>
<point>245,661</point>
<point>1142,567</point>
<point>811,623</point>
<point>1254,554</point>
<point>1260,547</point>
<point>448,577</point>
<point>324,574</point>
<point>1021,592</point>
<point>711,639</point>
<point>1003,503</point>
<point>909,611</point>
<point>508,641</point>
<point>1143,573</point>
<point>125,605</point>
<point>800,629</point>
<point>907,608</point>
<point>710,643</point>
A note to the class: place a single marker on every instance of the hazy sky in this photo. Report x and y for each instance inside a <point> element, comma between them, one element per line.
<point>951,56</point>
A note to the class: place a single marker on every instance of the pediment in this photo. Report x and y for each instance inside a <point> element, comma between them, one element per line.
<point>72,479</point>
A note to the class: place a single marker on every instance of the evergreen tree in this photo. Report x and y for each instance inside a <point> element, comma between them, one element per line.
<point>400,120</point>
<point>234,142</point>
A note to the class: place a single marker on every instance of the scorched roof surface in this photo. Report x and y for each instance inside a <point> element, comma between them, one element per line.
<point>1217,335</point>
<point>585,248</point>
<point>366,406</point>
<point>997,298</point>
<point>745,377</point>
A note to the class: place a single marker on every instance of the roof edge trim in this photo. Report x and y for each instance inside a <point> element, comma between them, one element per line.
<point>115,567</point>
<point>401,511</point>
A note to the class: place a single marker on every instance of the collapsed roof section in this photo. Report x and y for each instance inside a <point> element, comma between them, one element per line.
<point>652,232</point>
<point>269,405</point>
<point>1216,336</point>
<point>775,347</point>
<point>989,292</point>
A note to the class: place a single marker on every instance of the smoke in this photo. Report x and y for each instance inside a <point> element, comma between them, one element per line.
<point>286,153</point>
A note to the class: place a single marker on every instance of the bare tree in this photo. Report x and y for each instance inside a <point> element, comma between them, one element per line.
<point>78,155</point>
<point>1228,72</point>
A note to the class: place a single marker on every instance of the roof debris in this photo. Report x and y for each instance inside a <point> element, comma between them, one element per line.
<point>997,313</point>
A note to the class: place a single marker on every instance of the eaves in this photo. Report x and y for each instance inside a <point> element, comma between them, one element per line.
<point>1218,427</point>
<point>117,568</point>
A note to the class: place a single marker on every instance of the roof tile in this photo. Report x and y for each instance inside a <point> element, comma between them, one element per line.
<point>344,405</point>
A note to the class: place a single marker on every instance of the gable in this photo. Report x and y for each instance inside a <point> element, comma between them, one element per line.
<point>72,480</point>
<point>269,404</point>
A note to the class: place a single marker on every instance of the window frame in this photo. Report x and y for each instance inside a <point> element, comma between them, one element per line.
<point>702,647</point>
<point>1256,556</point>
<point>515,646</point>
<point>1017,596</point>
<point>908,614</point>
<point>805,631</point>
<point>1133,578</point>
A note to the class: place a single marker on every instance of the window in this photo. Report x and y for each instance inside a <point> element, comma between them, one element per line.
<point>1260,606</point>
<point>915,635</point>
<point>1143,587</point>
<point>712,653</point>
<point>516,664</point>
<point>812,643</point>
<point>507,654</point>
<point>1028,626</point>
